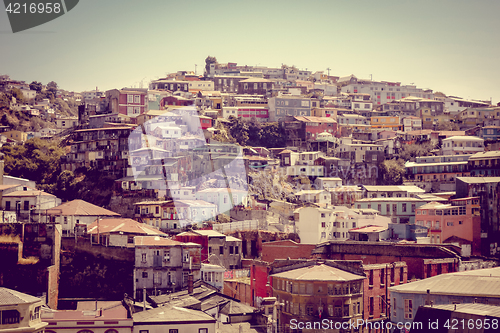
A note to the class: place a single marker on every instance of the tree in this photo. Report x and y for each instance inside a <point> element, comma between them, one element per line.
<point>37,160</point>
<point>239,130</point>
<point>392,172</point>
<point>410,152</point>
<point>448,126</point>
<point>17,93</point>
<point>37,86</point>
<point>208,61</point>
<point>272,135</point>
<point>51,90</point>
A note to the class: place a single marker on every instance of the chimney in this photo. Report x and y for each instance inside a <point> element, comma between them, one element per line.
<point>190,283</point>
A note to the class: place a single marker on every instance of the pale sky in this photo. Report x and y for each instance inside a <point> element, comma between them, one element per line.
<point>447,46</point>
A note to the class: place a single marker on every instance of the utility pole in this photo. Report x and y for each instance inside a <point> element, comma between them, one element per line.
<point>328,69</point>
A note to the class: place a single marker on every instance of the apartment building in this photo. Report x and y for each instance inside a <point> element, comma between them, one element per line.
<point>456,145</point>
<point>460,219</point>
<point>288,105</point>
<point>162,265</point>
<point>317,292</point>
<point>127,101</point>
<point>20,312</point>
<point>385,92</point>
<point>484,164</point>
<point>104,148</point>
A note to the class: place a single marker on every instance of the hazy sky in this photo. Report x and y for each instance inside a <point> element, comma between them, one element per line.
<point>447,46</point>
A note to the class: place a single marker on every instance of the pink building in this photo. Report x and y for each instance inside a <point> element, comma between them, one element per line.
<point>461,220</point>
<point>130,102</point>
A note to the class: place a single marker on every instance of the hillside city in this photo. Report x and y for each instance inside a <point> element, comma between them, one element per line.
<point>248,199</point>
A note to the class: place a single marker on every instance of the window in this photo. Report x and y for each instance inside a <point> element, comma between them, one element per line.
<point>144,275</point>
<point>203,330</point>
<point>173,331</point>
<point>130,98</point>
<point>65,220</point>
<point>10,317</point>
<point>36,313</point>
<point>7,205</point>
<point>231,251</point>
<point>26,205</point>
<point>221,250</point>
<point>323,224</point>
<point>408,309</point>
<point>137,99</point>
<point>143,259</point>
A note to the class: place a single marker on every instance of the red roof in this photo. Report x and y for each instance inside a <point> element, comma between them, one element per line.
<point>116,225</point>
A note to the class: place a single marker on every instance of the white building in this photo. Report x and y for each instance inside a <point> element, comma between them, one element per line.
<point>73,213</point>
<point>29,203</point>
<point>20,312</point>
<point>305,170</point>
<point>328,182</point>
<point>313,224</point>
<point>173,319</point>
<point>66,122</point>
<point>457,145</point>
<point>314,196</point>
<point>201,85</point>
<point>385,92</point>
<point>213,275</point>
<point>412,124</point>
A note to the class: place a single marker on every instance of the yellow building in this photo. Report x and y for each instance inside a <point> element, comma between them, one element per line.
<point>16,136</point>
<point>391,122</point>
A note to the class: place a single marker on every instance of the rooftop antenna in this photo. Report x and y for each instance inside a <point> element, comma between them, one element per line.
<point>195,66</point>
<point>328,69</point>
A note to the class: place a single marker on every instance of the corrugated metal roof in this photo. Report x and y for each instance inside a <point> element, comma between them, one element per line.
<point>155,241</point>
<point>80,208</point>
<point>318,273</point>
<point>28,194</point>
<point>471,308</point>
<point>114,225</point>
<point>13,297</point>
<point>481,282</point>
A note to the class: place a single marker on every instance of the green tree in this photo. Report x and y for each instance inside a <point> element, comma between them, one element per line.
<point>37,86</point>
<point>238,129</point>
<point>16,92</point>
<point>272,135</point>
<point>392,172</point>
<point>410,152</point>
<point>448,126</point>
<point>51,91</point>
<point>37,160</point>
<point>208,61</point>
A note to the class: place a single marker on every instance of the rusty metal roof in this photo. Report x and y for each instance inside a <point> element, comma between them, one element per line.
<point>482,282</point>
<point>319,272</point>
<point>80,208</point>
<point>13,297</point>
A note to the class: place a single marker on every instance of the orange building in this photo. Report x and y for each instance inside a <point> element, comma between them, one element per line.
<point>391,122</point>
<point>461,219</point>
